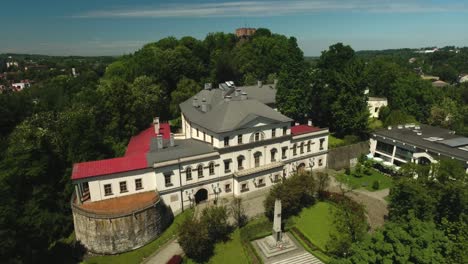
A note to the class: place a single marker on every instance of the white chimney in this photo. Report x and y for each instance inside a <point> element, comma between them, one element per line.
<point>259,84</point>
<point>309,122</point>
<point>389,127</point>
<point>159,141</point>
<point>244,96</point>
<point>156,125</point>
<point>171,140</point>
<point>296,124</point>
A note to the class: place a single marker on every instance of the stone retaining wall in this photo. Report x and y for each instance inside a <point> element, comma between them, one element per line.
<point>344,157</point>
<point>112,235</point>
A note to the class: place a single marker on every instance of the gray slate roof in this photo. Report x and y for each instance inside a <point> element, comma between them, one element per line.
<point>182,148</point>
<point>408,136</point>
<point>223,116</point>
<point>265,94</point>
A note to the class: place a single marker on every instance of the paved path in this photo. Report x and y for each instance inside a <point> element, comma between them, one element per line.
<point>374,202</point>
<point>163,255</point>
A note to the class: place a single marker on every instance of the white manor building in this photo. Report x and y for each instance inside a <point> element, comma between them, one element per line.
<point>233,142</point>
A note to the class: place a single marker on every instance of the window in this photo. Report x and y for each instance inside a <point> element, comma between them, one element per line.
<point>384,147</point>
<point>138,184</point>
<point>273,132</point>
<point>226,141</point>
<point>211,139</point>
<point>273,155</point>
<point>85,187</point>
<point>285,131</point>
<point>123,186</point>
<point>302,148</point>
<point>227,188</point>
<point>107,189</point>
<point>200,171</point>
<point>244,187</point>
<point>308,146</point>
<point>294,150</point>
<point>322,140</point>
<point>197,132</point>
<point>227,164</point>
<point>257,136</point>
<point>188,174</point>
<point>283,152</point>
<point>257,156</point>
<point>320,162</point>
<point>167,180</point>
<point>376,110</point>
<point>240,162</point>
<point>204,136</point>
<point>211,168</point>
<point>261,182</point>
<point>277,178</point>
<point>239,139</point>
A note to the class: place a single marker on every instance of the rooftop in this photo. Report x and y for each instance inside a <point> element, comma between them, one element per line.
<point>435,139</point>
<point>304,129</point>
<point>377,98</point>
<point>121,205</point>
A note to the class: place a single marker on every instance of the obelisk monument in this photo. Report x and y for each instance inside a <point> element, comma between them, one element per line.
<point>277,234</point>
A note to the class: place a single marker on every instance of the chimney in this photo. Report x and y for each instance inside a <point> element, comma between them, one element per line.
<point>171,140</point>
<point>259,84</point>
<point>227,98</point>
<point>207,86</point>
<point>195,101</point>
<point>309,122</point>
<point>204,106</point>
<point>296,124</point>
<point>156,125</point>
<point>159,141</point>
<point>244,96</point>
<point>237,92</point>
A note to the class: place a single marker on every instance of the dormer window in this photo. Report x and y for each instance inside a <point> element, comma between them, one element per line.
<point>285,131</point>
<point>273,132</point>
<point>226,141</point>
<point>239,139</point>
<point>257,136</point>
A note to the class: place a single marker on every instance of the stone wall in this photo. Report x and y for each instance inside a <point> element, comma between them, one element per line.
<point>346,156</point>
<point>112,235</point>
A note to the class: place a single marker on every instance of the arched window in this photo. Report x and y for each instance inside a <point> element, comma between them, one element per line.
<point>294,150</point>
<point>200,171</point>
<point>308,146</point>
<point>211,168</point>
<point>188,173</point>
<point>257,136</point>
<point>302,148</point>
<point>257,157</point>
<point>273,154</point>
<point>240,162</point>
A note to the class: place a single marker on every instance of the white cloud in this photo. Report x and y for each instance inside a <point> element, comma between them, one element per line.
<point>274,8</point>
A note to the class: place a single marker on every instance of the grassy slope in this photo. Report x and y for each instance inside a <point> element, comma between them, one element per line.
<point>136,256</point>
<point>366,180</point>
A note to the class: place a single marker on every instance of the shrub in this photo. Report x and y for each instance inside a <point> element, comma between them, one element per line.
<point>375,185</point>
<point>368,171</point>
<point>348,171</point>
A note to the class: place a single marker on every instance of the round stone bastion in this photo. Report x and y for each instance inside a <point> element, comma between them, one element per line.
<point>120,224</point>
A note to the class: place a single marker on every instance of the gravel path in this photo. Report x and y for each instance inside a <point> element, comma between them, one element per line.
<point>163,255</point>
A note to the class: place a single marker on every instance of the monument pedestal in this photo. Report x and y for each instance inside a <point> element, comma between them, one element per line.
<point>269,247</point>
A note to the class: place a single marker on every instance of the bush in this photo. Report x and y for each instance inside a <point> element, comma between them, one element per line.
<point>348,171</point>
<point>375,185</point>
<point>368,171</point>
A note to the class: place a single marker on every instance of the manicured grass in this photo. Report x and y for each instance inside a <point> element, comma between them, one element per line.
<point>230,252</point>
<point>136,256</point>
<point>366,181</point>
<point>315,222</point>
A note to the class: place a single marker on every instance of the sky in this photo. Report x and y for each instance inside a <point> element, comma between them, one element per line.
<point>116,27</point>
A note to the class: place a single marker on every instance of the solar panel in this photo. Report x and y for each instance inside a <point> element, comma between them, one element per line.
<point>455,142</point>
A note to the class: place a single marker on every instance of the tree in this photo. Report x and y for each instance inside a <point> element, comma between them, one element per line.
<point>238,212</point>
<point>195,240</point>
<point>409,195</point>
<point>186,88</point>
<point>323,180</point>
<point>216,220</point>
<point>407,241</point>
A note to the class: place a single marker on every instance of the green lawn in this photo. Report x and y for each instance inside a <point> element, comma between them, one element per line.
<point>315,222</point>
<point>136,256</point>
<point>366,181</point>
<point>230,252</point>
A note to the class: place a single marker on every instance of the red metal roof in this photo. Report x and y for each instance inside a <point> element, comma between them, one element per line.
<point>134,159</point>
<point>303,129</point>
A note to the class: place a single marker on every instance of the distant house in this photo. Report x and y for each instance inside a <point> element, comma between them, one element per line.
<point>245,32</point>
<point>11,64</point>
<point>430,77</point>
<point>19,86</point>
<point>375,104</point>
<point>412,60</point>
<point>440,83</point>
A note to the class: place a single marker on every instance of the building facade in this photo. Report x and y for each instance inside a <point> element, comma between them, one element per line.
<point>421,144</point>
<point>375,104</point>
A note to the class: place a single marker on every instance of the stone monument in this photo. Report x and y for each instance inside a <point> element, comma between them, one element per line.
<point>277,243</point>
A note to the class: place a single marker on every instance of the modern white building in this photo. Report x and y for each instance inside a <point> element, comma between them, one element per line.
<point>232,143</point>
<point>421,144</point>
<point>375,104</point>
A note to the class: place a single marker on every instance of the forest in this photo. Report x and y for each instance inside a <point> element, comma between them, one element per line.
<point>63,119</point>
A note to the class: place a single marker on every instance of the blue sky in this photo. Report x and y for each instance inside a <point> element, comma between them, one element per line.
<point>114,27</point>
